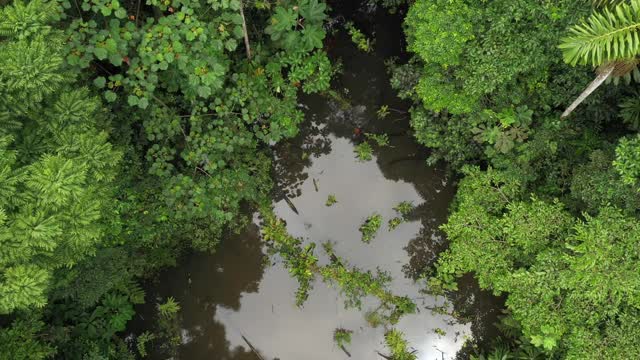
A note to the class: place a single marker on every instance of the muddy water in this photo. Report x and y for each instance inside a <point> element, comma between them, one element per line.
<point>240,292</point>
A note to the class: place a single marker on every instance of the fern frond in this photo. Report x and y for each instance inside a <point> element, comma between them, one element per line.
<point>606,36</point>
<point>23,20</point>
<point>30,70</point>
<point>630,110</point>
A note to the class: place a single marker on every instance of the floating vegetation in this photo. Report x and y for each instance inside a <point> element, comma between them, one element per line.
<point>362,42</point>
<point>380,139</point>
<point>398,346</point>
<point>354,284</point>
<point>364,151</point>
<point>373,318</point>
<point>342,336</point>
<point>370,227</point>
<point>403,209</point>
<point>331,200</point>
<point>440,332</point>
<point>383,112</point>
<point>300,261</point>
<point>394,223</point>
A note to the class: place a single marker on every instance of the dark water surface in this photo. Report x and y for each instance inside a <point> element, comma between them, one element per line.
<point>236,292</point>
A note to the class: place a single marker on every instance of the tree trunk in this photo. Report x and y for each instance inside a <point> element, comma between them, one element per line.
<point>603,74</point>
<point>244,30</point>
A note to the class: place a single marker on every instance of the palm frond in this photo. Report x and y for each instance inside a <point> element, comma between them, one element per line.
<point>604,3</point>
<point>607,35</point>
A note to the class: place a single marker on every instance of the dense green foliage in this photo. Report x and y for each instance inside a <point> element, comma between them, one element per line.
<point>133,131</point>
<point>96,193</point>
<point>546,212</point>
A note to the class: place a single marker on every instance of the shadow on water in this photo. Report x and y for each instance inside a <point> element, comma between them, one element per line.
<point>235,293</point>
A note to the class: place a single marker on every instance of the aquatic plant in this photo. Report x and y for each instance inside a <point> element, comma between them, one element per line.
<point>299,260</point>
<point>169,308</point>
<point>331,199</point>
<point>370,227</point>
<point>364,151</point>
<point>373,318</point>
<point>354,284</point>
<point>380,139</point>
<point>398,346</point>
<point>383,112</point>
<point>440,332</point>
<point>342,337</point>
<point>141,342</point>
<point>362,42</point>
<point>394,223</point>
<point>404,208</point>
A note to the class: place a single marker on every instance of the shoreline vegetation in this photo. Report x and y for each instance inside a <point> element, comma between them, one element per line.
<point>133,132</point>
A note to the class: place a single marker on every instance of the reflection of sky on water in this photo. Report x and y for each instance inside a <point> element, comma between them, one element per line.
<point>233,293</point>
<point>269,318</point>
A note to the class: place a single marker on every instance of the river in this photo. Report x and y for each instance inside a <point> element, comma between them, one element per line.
<point>240,292</point>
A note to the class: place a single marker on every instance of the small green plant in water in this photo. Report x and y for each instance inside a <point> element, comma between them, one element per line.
<point>440,332</point>
<point>370,227</point>
<point>362,42</point>
<point>398,346</point>
<point>141,342</point>
<point>374,319</point>
<point>364,152</point>
<point>404,208</point>
<point>169,308</point>
<point>383,112</point>
<point>342,337</point>
<point>331,200</point>
<point>300,260</point>
<point>354,284</point>
<point>395,222</point>
<point>380,139</point>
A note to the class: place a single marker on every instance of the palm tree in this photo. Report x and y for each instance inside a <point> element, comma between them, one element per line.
<point>608,40</point>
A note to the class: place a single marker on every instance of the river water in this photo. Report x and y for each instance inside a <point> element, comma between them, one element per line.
<point>240,292</point>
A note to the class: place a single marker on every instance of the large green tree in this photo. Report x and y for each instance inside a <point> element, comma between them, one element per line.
<point>548,218</point>
<point>56,163</point>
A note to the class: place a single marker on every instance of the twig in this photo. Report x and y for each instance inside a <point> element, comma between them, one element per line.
<point>252,348</point>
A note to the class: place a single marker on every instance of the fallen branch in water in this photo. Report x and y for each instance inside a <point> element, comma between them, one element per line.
<point>345,351</point>
<point>255,351</point>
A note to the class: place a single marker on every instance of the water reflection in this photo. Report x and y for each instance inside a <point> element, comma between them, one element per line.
<point>208,283</point>
<point>231,297</point>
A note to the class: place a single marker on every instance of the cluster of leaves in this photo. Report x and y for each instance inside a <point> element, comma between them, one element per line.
<point>398,346</point>
<point>342,337</point>
<point>93,195</point>
<point>370,227</point>
<point>379,139</point>
<point>299,259</point>
<point>331,200</point>
<point>403,209</point>
<point>354,284</point>
<point>551,219</point>
<point>364,151</point>
<point>359,39</point>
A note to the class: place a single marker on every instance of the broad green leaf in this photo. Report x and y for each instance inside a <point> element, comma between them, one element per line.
<point>313,11</point>
<point>99,82</point>
<point>100,53</point>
